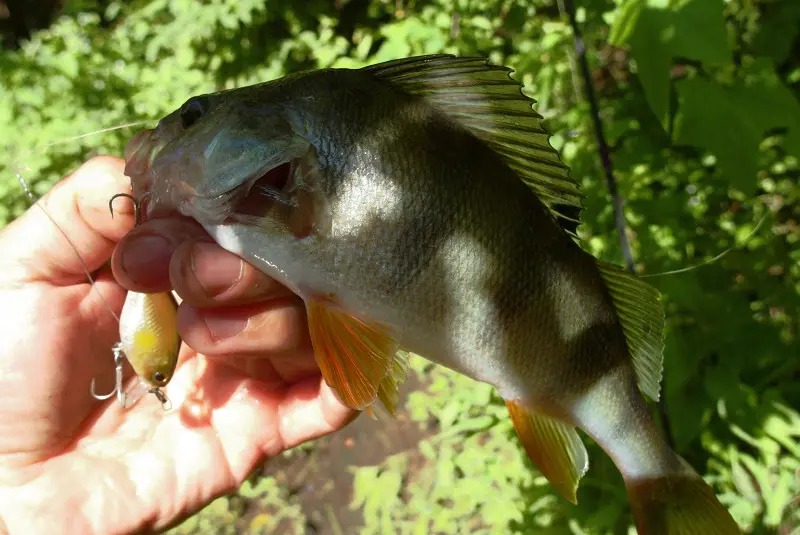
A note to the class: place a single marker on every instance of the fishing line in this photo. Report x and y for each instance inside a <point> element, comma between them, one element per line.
<point>117,351</point>
<point>118,366</point>
<point>605,158</point>
<point>712,260</point>
<point>35,201</point>
<point>82,136</point>
<point>86,270</point>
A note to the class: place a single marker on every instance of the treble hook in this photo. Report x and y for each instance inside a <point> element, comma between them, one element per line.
<point>119,362</point>
<point>119,355</point>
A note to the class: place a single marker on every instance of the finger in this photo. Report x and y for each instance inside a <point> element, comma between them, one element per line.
<point>247,412</point>
<point>142,258</point>
<point>269,342</point>
<point>206,275</point>
<point>79,206</point>
<point>251,420</point>
<point>274,327</point>
<point>311,410</point>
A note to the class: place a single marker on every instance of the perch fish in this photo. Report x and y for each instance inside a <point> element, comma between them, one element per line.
<point>417,205</point>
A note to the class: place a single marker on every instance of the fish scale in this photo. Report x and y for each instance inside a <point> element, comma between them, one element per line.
<point>442,223</point>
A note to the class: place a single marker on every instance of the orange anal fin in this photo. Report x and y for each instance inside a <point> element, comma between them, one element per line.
<point>554,447</point>
<point>354,356</point>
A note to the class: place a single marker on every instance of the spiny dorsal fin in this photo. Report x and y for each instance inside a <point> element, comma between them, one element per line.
<point>642,319</point>
<point>489,103</point>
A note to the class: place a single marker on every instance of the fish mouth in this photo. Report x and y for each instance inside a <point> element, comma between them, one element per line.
<point>140,152</point>
<point>168,196</point>
<point>156,196</point>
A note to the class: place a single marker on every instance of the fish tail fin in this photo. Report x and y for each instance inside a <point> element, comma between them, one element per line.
<point>666,495</point>
<point>678,503</point>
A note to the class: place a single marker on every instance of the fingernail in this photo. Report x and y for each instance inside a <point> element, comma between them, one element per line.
<point>222,326</point>
<point>145,259</point>
<point>215,272</point>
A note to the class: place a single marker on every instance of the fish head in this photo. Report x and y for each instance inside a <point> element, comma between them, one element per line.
<point>203,159</point>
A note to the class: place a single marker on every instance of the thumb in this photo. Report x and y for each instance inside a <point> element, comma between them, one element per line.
<point>34,249</point>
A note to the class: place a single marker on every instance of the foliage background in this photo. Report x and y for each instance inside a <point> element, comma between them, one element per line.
<point>699,100</point>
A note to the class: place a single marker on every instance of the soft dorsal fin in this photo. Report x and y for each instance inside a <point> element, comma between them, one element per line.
<point>642,318</point>
<point>490,104</point>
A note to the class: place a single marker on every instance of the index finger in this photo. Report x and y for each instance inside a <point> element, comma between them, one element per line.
<point>206,275</point>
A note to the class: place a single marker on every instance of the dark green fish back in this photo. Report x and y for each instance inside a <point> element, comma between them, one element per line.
<point>486,101</point>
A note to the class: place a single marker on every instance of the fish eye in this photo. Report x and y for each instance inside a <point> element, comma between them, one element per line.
<point>193,110</point>
<point>159,377</point>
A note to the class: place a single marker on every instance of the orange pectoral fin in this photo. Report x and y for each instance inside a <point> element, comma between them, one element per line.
<point>355,357</point>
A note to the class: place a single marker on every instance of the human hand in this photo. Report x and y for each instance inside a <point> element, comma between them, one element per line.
<point>246,388</point>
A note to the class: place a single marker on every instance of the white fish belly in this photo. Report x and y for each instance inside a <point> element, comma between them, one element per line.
<point>463,336</point>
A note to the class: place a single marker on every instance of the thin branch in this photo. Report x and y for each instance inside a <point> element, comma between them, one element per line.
<point>605,157</point>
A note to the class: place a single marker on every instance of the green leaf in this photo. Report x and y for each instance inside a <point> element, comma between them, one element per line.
<point>625,22</point>
<point>704,108</point>
<point>777,30</point>
<point>695,31</point>
<point>743,481</point>
<point>653,59</point>
<point>778,499</point>
<point>731,121</point>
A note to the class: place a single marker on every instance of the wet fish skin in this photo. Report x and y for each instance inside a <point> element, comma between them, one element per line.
<point>385,231</point>
<point>404,217</point>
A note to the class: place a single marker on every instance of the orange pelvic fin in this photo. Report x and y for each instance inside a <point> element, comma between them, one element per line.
<point>388,393</point>
<point>554,447</point>
<point>357,358</point>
